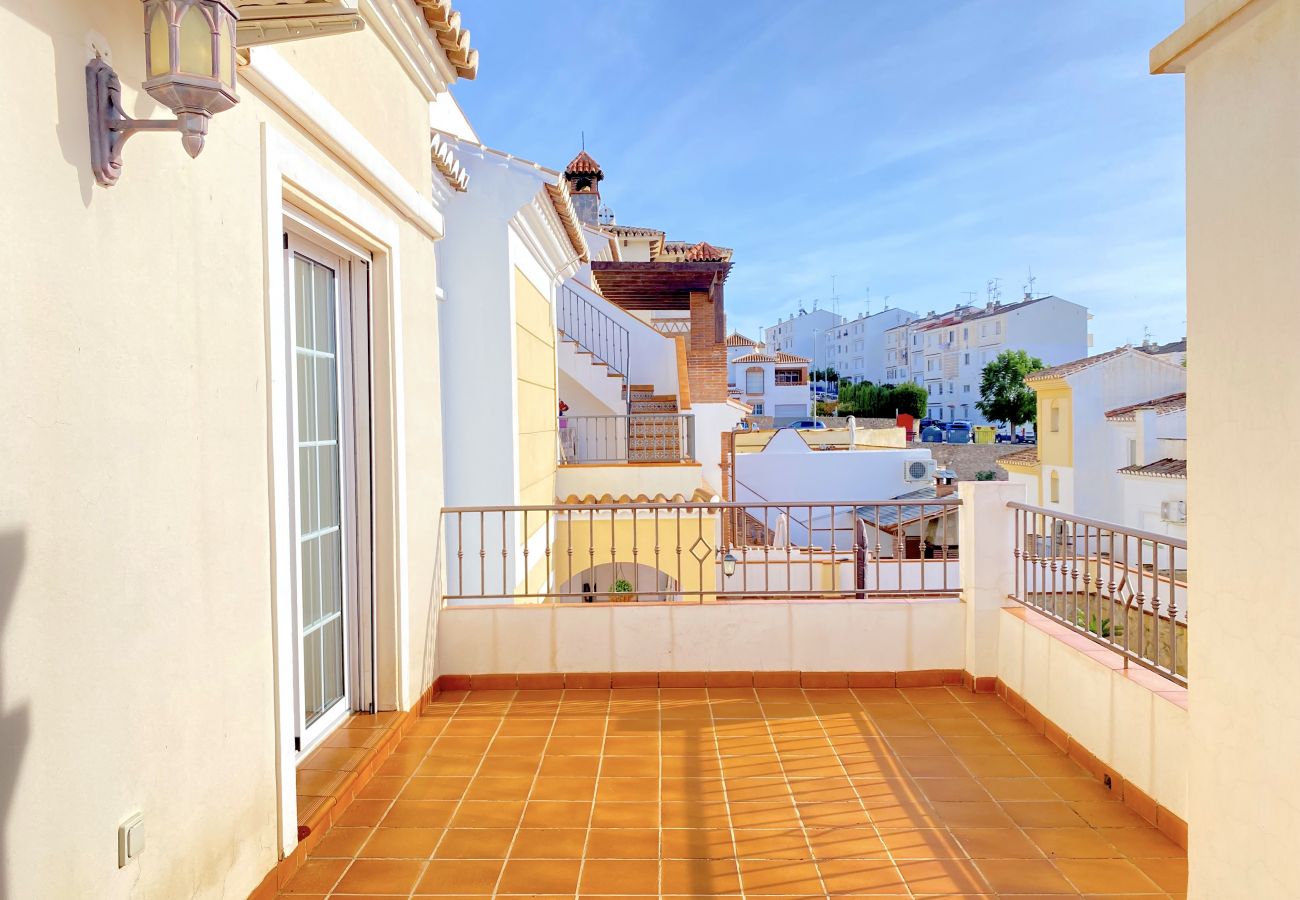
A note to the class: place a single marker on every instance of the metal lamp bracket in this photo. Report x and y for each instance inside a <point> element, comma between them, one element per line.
<point>110,126</point>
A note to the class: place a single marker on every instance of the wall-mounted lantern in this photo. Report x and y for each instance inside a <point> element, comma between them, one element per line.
<point>190,68</point>
<point>728,565</point>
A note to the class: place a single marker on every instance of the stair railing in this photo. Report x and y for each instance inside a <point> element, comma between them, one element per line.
<point>582,322</point>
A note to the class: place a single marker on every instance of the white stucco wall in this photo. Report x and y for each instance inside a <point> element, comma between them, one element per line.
<point>787,469</point>
<point>810,636</point>
<point>1101,449</point>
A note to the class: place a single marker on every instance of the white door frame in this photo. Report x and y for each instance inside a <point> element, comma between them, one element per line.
<point>292,178</point>
<point>303,239</point>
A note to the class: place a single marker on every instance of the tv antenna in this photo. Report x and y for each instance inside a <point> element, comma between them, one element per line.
<point>994,288</point>
<point>970,297</point>
<point>1029,285</point>
<point>835,298</point>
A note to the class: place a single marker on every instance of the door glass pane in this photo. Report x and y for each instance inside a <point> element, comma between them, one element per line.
<point>320,534</point>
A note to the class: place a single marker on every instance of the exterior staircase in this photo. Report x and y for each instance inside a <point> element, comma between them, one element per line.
<point>654,426</point>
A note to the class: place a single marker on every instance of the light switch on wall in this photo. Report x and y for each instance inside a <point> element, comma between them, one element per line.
<point>130,839</point>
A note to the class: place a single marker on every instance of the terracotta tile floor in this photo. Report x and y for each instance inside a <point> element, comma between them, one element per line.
<point>924,792</point>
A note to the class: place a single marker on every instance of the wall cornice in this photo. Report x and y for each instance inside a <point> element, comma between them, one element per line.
<point>403,30</point>
<point>271,75</point>
<point>1169,56</point>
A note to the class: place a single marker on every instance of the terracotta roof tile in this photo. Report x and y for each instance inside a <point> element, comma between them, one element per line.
<point>756,357</point>
<point>705,252</point>
<point>783,357</point>
<point>454,40</point>
<point>583,164</point>
<point>1163,468</point>
<point>1077,365</point>
<point>700,495</point>
<point>1162,405</point>
<point>633,230</point>
<point>1025,457</point>
<point>736,339</point>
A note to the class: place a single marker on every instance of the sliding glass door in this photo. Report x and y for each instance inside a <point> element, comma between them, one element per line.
<point>328,291</point>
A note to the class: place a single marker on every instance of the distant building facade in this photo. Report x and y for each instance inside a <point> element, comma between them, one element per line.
<point>801,333</point>
<point>947,352</point>
<point>856,348</point>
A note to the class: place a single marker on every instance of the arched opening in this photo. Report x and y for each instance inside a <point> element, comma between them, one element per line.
<point>620,582</point>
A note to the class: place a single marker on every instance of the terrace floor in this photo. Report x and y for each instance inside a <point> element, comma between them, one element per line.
<point>920,792</point>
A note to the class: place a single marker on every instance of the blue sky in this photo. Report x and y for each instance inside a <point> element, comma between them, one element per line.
<point>917,149</point>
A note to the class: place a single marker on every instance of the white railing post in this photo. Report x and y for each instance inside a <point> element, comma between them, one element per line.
<point>986,530</point>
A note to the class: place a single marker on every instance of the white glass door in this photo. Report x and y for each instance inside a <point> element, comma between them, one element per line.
<point>324,607</point>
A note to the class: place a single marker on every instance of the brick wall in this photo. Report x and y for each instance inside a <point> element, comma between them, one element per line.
<point>706,358</point>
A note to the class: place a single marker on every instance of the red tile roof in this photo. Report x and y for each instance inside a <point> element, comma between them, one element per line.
<point>1077,365</point>
<point>1026,457</point>
<point>783,357</point>
<point>1162,405</point>
<point>582,164</point>
<point>1163,468</point>
<point>736,339</point>
<point>699,495</point>
<point>705,252</point>
<point>756,357</point>
<point>452,37</point>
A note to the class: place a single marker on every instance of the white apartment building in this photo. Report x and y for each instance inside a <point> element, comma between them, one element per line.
<point>856,348</point>
<point>947,352</point>
<point>801,333</point>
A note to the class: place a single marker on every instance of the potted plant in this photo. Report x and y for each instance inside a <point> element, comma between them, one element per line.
<point>621,592</point>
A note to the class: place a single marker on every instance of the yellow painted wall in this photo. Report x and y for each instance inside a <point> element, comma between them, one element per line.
<point>611,541</point>
<point>1055,448</point>
<point>535,392</point>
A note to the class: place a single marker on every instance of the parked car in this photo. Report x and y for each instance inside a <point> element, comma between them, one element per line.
<point>807,425</point>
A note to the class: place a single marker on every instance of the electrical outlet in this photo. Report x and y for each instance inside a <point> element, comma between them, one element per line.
<point>130,839</point>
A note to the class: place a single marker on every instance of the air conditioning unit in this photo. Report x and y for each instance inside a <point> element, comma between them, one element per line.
<point>919,470</point>
<point>1174,511</point>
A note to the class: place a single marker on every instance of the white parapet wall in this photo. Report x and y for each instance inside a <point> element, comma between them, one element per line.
<point>1118,715</point>
<point>763,635</point>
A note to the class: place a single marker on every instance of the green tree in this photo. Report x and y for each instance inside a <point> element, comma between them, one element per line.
<point>909,398</point>
<point>881,401</point>
<point>1004,396</point>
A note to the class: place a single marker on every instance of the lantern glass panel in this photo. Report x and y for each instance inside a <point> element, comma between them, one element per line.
<point>160,52</point>
<point>226,51</point>
<point>196,44</point>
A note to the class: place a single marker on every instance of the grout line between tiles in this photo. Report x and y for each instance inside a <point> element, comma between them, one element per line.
<point>528,798</point>
<point>433,854</point>
<point>595,792</point>
<point>861,803</point>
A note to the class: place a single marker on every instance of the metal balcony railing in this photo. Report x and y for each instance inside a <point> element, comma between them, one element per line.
<point>1122,588</point>
<point>701,552</point>
<point>642,437</point>
<point>595,332</point>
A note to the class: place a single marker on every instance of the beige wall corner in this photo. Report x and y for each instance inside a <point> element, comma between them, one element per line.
<point>986,536</point>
